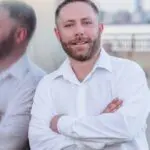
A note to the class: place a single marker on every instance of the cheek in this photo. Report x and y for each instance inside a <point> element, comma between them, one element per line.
<point>92,34</point>
<point>3,37</point>
<point>66,36</point>
<point>3,34</point>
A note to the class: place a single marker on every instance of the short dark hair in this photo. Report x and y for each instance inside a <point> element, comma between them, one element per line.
<point>65,2</point>
<point>21,12</point>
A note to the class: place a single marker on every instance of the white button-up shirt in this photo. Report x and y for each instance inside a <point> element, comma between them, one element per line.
<point>17,86</point>
<point>85,127</point>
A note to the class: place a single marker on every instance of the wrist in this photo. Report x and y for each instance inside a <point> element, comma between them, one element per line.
<point>54,123</point>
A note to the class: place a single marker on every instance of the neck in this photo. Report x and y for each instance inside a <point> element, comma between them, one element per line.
<point>11,59</point>
<point>82,69</point>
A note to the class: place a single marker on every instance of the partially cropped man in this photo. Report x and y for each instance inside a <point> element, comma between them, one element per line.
<point>18,76</point>
<point>69,107</point>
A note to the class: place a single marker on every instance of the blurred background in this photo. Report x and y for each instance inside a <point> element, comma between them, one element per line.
<point>126,34</point>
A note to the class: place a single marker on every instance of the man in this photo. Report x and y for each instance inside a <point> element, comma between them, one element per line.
<point>18,76</point>
<point>69,112</point>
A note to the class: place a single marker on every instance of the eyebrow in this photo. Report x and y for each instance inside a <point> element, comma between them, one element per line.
<point>72,20</point>
<point>87,18</point>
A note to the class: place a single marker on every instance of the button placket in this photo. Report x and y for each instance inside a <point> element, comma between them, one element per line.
<point>81,101</point>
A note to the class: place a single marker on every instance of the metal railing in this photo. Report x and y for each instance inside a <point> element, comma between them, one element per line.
<point>127,42</point>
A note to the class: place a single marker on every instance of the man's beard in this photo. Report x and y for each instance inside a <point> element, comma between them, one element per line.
<point>93,47</point>
<point>7,45</point>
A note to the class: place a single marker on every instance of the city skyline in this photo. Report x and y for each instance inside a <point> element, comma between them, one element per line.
<point>129,5</point>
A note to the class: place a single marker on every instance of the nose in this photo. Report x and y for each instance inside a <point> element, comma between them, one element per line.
<point>79,30</point>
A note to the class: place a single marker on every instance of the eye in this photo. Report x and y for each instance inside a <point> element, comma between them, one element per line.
<point>87,22</point>
<point>68,25</point>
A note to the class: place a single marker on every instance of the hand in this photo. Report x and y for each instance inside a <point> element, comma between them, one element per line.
<point>113,106</point>
<point>54,122</point>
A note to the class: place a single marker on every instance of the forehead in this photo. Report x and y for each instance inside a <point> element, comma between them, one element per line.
<point>77,10</point>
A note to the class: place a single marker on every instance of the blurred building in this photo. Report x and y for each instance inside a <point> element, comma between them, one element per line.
<point>139,15</point>
<point>138,5</point>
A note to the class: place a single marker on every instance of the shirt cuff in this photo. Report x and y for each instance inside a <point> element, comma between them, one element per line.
<point>65,124</point>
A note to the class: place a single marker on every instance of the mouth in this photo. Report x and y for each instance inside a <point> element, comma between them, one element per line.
<point>80,43</point>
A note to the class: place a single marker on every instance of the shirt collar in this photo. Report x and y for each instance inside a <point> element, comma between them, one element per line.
<point>103,62</point>
<point>17,69</point>
<point>66,71</point>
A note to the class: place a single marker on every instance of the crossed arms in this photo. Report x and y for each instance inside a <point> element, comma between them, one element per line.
<point>49,130</point>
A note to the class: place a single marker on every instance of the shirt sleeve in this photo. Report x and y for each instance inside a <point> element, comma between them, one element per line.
<point>121,126</point>
<point>41,137</point>
<point>14,125</point>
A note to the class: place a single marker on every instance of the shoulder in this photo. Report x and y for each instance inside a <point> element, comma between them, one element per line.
<point>48,79</point>
<point>126,66</point>
<point>127,73</point>
<point>36,72</point>
<point>33,74</point>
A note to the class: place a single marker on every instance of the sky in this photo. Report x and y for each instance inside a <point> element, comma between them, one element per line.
<point>112,5</point>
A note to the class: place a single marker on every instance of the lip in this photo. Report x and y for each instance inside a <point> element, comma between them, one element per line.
<point>80,43</point>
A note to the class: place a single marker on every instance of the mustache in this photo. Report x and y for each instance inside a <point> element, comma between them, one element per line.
<point>79,39</point>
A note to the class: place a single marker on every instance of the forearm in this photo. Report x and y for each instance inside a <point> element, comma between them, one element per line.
<point>103,129</point>
<point>41,137</point>
<point>111,128</point>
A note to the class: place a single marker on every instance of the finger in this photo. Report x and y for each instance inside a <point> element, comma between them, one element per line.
<point>109,108</point>
<point>117,108</point>
<point>119,102</point>
<point>113,106</point>
<point>114,100</point>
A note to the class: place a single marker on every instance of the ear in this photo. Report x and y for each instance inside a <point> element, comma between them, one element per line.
<point>101,27</point>
<point>21,35</point>
<point>57,33</point>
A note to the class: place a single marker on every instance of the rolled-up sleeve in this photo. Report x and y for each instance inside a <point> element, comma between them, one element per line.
<point>41,137</point>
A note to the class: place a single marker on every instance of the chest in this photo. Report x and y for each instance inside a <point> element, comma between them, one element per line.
<point>90,98</point>
<point>8,90</point>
